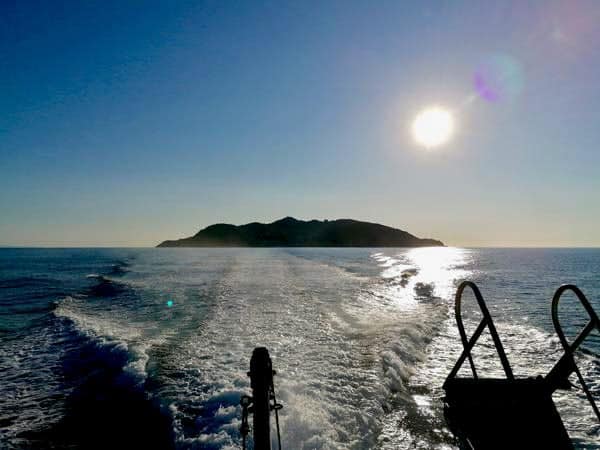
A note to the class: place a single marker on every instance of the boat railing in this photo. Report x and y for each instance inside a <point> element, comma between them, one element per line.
<point>490,413</point>
<point>569,366</point>
<point>468,344</point>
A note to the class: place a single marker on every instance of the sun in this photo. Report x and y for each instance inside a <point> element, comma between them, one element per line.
<point>433,127</point>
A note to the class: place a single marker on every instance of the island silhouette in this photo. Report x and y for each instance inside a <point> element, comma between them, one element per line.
<point>291,232</point>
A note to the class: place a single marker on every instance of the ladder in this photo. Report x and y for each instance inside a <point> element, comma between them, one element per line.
<point>510,412</point>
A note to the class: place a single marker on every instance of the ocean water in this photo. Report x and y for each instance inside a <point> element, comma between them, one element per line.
<point>149,348</point>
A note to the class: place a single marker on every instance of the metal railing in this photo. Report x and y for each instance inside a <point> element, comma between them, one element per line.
<point>468,344</point>
<point>571,348</point>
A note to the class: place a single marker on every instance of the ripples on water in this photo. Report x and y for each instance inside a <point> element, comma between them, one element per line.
<point>92,356</point>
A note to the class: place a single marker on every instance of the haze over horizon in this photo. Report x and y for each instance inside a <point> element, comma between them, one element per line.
<point>125,125</point>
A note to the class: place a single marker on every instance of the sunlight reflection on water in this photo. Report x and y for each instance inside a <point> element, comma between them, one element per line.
<point>440,267</point>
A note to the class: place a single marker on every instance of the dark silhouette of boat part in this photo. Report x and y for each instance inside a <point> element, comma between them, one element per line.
<point>501,413</point>
<point>483,413</point>
<point>262,402</point>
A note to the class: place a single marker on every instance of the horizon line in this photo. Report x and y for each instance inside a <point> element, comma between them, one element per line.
<point>60,247</point>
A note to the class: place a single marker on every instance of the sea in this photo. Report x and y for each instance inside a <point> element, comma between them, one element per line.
<point>150,348</point>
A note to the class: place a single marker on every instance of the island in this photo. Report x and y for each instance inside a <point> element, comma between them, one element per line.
<point>290,232</point>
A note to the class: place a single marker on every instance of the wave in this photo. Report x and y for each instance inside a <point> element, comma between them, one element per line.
<point>119,268</point>
<point>76,378</point>
<point>105,329</point>
<point>106,405</point>
<point>105,287</point>
<point>104,371</point>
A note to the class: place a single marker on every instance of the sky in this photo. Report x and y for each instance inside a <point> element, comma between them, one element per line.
<point>127,123</point>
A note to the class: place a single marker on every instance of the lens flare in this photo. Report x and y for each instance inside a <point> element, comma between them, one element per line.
<point>498,78</point>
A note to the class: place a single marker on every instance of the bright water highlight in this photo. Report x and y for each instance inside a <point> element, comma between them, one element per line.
<point>135,348</point>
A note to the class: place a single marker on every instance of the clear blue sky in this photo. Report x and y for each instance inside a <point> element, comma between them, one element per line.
<point>126,123</point>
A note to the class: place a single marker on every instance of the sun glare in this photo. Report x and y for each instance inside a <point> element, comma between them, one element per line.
<point>433,127</point>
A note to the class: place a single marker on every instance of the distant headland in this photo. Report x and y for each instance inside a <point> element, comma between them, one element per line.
<point>290,232</point>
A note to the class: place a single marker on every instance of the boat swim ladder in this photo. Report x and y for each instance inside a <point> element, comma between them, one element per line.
<point>510,412</point>
<point>570,348</point>
<point>468,344</point>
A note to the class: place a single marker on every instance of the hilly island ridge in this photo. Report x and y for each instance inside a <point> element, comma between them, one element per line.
<point>290,232</point>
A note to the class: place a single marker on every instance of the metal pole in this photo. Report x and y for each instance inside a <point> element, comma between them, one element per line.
<point>261,380</point>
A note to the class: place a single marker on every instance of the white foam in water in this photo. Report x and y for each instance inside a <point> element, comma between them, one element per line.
<point>107,328</point>
<point>344,348</point>
<point>27,382</point>
<point>360,359</point>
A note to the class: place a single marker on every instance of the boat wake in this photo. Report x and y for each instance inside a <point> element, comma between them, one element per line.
<point>157,351</point>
